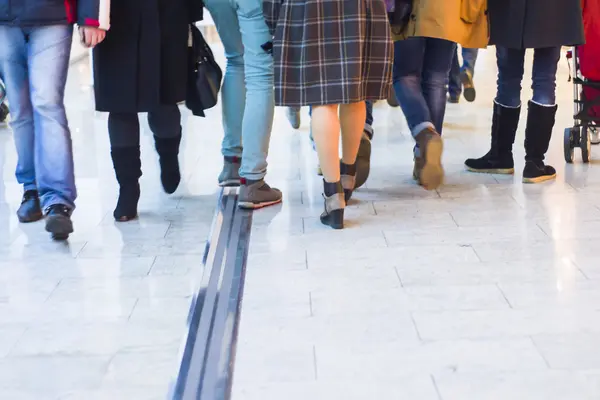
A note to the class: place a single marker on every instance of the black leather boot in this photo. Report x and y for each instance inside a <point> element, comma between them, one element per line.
<point>499,160</point>
<point>540,122</point>
<point>168,153</point>
<point>128,170</point>
<point>334,205</point>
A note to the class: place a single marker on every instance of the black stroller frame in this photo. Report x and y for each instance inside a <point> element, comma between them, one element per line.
<point>580,134</point>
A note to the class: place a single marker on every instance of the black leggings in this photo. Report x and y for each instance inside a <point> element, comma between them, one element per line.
<point>124,128</point>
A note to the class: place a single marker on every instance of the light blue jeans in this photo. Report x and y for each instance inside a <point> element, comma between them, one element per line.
<point>247,92</point>
<point>33,65</point>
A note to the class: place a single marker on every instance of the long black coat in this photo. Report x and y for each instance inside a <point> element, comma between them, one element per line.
<point>534,24</point>
<point>143,60</point>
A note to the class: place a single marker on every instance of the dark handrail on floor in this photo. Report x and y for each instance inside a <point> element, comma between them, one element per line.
<point>208,354</point>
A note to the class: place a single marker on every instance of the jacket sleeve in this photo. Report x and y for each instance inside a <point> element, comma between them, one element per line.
<point>271,10</point>
<point>94,13</point>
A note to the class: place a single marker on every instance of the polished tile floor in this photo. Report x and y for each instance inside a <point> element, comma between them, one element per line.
<point>485,289</point>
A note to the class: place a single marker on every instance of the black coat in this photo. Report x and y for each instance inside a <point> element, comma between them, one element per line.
<point>143,60</point>
<point>534,24</point>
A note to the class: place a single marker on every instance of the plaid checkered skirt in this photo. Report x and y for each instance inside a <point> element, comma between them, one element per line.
<point>332,52</point>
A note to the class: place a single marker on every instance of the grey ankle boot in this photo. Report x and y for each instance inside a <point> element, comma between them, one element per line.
<point>335,203</point>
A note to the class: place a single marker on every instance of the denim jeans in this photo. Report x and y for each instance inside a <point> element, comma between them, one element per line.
<point>421,68</point>
<point>368,122</point>
<point>469,57</point>
<point>247,92</point>
<point>33,64</point>
<point>510,74</point>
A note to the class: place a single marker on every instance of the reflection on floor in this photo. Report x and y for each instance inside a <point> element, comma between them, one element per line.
<point>485,289</point>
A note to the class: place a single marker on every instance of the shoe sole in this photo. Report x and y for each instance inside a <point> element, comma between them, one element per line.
<point>230,183</point>
<point>363,162</point>
<point>468,88</point>
<point>59,226</point>
<point>497,171</point>
<point>248,205</point>
<point>432,174</point>
<point>34,218</point>
<point>539,179</point>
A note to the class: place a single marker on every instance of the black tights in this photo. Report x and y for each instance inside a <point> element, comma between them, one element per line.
<point>124,128</point>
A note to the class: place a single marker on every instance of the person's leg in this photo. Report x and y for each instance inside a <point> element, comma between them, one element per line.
<point>408,73</point>
<point>233,90</point>
<point>124,133</point>
<point>165,124</point>
<point>437,62</point>
<point>14,72</point>
<point>325,123</point>
<point>351,116</point>
<point>363,160</point>
<point>454,83</point>
<point>260,107</point>
<point>541,115</point>
<point>505,119</point>
<point>466,73</point>
<point>49,55</point>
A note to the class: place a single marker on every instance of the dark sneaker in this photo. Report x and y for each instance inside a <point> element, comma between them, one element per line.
<point>258,194</point>
<point>30,209</point>
<point>230,175</point>
<point>466,77</point>
<point>58,221</point>
<point>453,99</point>
<point>536,172</point>
<point>293,115</point>
<point>431,174</point>
<point>363,161</point>
<point>492,164</point>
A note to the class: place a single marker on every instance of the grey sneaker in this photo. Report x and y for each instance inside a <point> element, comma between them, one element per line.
<point>230,175</point>
<point>293,115</point>
<point>258,194</point>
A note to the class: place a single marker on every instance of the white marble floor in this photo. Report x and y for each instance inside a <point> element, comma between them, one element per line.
<point>485,289</point>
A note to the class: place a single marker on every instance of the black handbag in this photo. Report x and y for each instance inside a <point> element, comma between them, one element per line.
<point>204,75</point>
<point>399,12</point>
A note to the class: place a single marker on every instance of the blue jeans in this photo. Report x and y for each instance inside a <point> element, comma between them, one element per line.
<point>469,57</point>
<point>368,122</point>
<point>247,92</point>
<point>34,63</point>
<point>510,74</point>
<point>421,68</point>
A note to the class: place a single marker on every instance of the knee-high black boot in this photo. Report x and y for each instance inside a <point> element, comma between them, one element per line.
<point>499,160</point>
<point>540,122</point>
<point>168,153</point>
<point>128,170</point>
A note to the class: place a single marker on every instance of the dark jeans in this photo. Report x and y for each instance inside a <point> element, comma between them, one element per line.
<point>124,128</point>
<point>421,68</point>
<point>510,74</point>
<point>469,57</point>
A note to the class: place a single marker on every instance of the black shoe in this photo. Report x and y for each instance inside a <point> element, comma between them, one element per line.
<point>453,99</point>
<point>58,221</point>
<point>30,209</point>
<point>128,170</point>
<point>466,78</point>
<point>363,161</point>
<point>392,100</point>
<point>499,160</point>
<point>540,122</point>
<point>536,172</point>
<point>333,216</point>
<point>168,152</point>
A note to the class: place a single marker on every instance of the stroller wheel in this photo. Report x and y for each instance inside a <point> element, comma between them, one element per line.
<point>585,143</point>
<point>568,145</point>
<point>3,112</point>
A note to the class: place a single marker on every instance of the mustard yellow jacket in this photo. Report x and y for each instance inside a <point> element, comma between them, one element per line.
<point>461,21</point>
